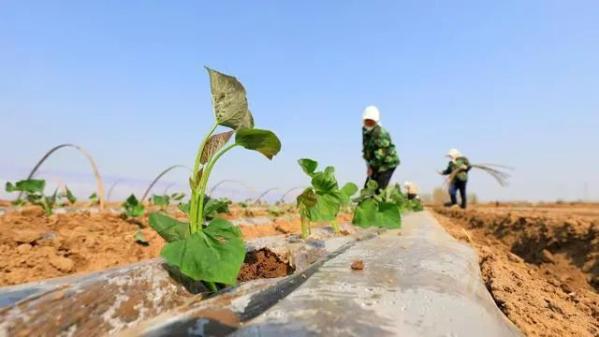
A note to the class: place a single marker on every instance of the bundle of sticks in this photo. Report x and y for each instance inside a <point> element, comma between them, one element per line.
<point>495,170</point>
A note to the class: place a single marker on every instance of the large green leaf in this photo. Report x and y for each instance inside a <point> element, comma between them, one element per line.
<point>371,213</point>
<point>229,101</point>
<point>308,165</point>
<point>168,228</point>
<point>212,255</point>
<point>326,208</point>
<point>263,141</point>
<point>27,186</point>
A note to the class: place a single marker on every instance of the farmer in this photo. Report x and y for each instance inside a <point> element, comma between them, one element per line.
<point>457,170</point>
<point>411,190</point>
<point>377,149</point>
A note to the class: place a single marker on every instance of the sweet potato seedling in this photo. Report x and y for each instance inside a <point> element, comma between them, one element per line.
<point>132,208</point>
<point>323,200</point>
<point>382,208</point>
<point>33,190</point>
<point>213,250</point>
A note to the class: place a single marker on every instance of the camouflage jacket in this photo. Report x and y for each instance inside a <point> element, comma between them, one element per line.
<point>378,149</point>
<point>462,165</point>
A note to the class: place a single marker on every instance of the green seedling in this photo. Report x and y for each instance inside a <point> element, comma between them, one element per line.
<point>213,250</point>
<point>275,211</point>
<point>161,201</point>
<point>323,200</point>
<point>33,189</point>
<point>93,199</point>
<point>69,196</point>
<point>132,208</point>
<point>381,208</point>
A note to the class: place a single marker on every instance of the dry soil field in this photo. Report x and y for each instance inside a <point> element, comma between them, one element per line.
<point>540,263</point>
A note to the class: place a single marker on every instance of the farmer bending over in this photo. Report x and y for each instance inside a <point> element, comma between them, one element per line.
<point>411,190</point>
<point>378,149</point>
<point>457,169</point>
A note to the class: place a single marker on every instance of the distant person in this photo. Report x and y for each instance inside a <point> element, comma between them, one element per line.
<point>378,149</point>
<point>411,190</point>
<point>457,169</point>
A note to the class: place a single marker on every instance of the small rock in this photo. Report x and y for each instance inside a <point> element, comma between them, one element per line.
<point>357,265</point>
<point>62,263</point>
<point>547,256</point>
<point>23,248</point>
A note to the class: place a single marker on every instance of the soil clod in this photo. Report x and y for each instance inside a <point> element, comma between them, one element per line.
<point>357,265</point>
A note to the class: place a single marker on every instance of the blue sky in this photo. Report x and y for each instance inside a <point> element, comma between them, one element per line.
<point>511,82</point>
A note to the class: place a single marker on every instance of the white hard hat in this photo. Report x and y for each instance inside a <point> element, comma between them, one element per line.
<point>371,112</point>
<point>454,153</point>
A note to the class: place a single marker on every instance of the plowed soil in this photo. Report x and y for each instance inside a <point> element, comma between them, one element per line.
<point>541,264</point>
<point>34,246</point>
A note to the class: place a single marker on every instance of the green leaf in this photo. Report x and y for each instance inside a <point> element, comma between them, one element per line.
<point>27,186</point>
<point>70,196</point>
<point>168,228</point>
<point>229,101</point>
<point>371,213</point>
<point>213,207</point>
<point>178,196</point>
<point>10,187</point>
<point>325,181</point>
<point>263,141</point>
<point>212,255</point>
<point>308,165</point>
<point>161,200</point>
<point>326,208</point>
<point>349,189</point>
<point>307,199</point>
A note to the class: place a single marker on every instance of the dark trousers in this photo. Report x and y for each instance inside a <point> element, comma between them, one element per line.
<point>382,178</point>
<point>454,187</point>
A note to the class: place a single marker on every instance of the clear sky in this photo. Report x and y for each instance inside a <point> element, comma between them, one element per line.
<point>512,82</point>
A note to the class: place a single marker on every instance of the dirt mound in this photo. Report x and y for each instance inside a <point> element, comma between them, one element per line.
<point>263,263</point>
<point>539,270</point>
<point>34,246</point>
<point>560,244</point>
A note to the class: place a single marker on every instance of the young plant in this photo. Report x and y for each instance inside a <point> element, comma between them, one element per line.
<point>132,208</point>
<point>34,194</point>
<point>93,199</point>
<point>379,209</point>
<point>323,200</point>
<point>161,201</point>
<point>204,250</point>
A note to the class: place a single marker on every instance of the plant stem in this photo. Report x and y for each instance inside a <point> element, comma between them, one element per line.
<point>211,286</point>
<point>201,191</point>
<point>305,228</point>
<point>335,225</point>
<point>193,207</point>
